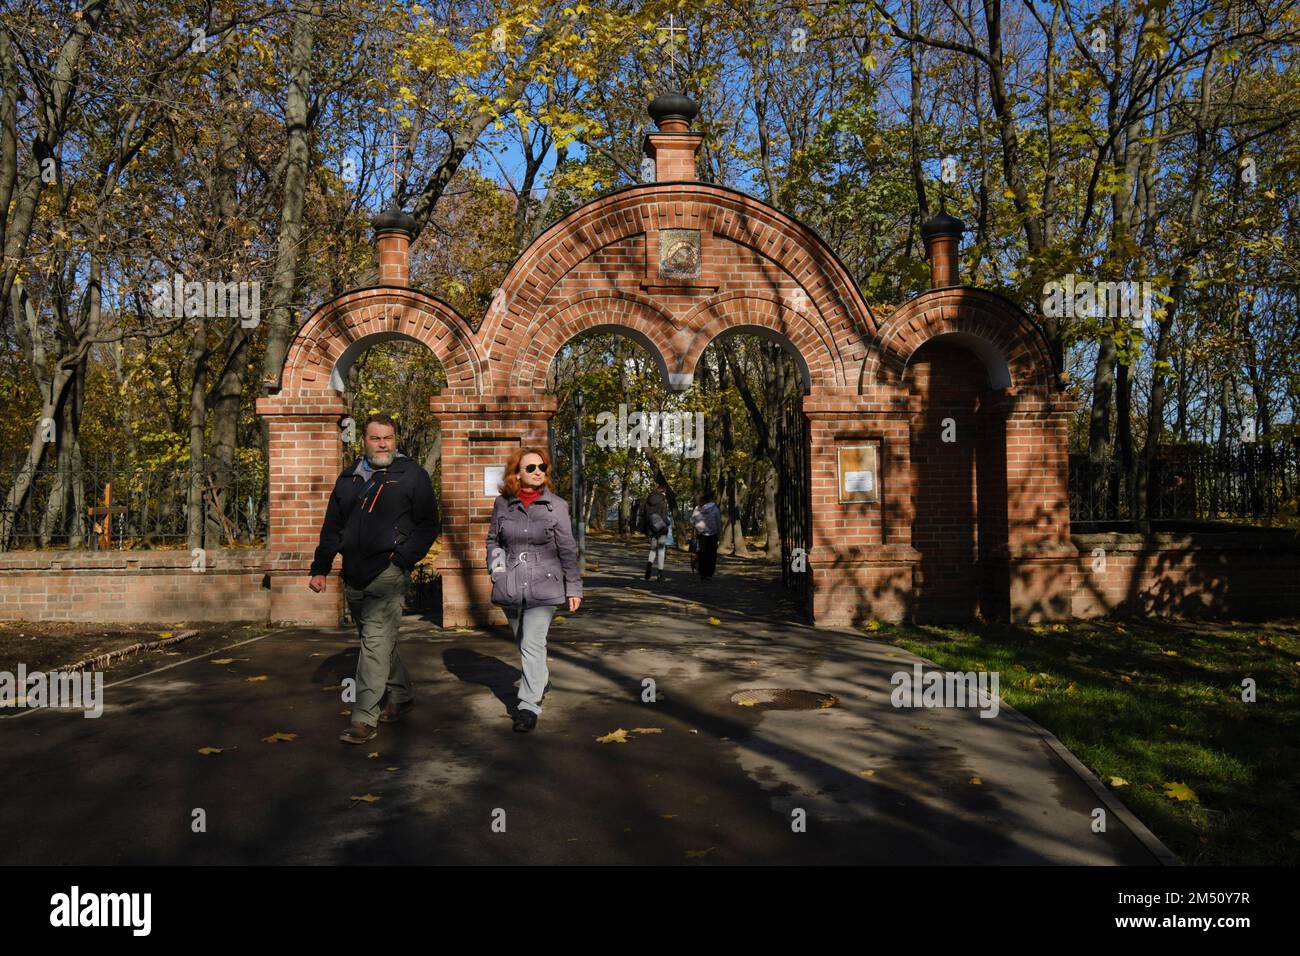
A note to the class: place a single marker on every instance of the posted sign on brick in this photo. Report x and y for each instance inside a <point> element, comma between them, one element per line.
<point>859,473</point>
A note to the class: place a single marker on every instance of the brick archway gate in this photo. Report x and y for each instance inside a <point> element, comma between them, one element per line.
<point>675,264</point>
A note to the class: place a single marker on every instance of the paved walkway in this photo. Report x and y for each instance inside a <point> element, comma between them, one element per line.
<point>714,783</point>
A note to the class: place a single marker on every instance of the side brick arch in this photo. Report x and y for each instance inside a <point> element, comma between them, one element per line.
<point>966,314</point>
<point>332,332</point>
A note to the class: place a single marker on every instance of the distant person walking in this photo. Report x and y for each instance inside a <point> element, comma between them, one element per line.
<point>656,519</point>
<point>383,517</point>
<point>533,560</point>
<point>706,519</point>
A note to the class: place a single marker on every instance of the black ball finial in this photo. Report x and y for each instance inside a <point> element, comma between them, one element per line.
<point>668,106</point>
<point>942,224</point>
<point>394,218</point>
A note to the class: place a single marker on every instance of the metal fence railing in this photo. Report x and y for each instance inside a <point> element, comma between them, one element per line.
<point>1238,481</point>
<point>123,505</point>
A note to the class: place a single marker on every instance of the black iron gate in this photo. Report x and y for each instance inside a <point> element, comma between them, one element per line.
<point>794,500</point>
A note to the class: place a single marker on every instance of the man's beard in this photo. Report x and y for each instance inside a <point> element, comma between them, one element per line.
<point>380,459</point>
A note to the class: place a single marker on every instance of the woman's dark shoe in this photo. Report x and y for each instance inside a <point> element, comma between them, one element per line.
<point>525,720</point>
<point>648,567</point>
<point>661,574</point>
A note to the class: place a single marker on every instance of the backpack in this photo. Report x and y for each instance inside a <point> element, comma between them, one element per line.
<point>656,523</point>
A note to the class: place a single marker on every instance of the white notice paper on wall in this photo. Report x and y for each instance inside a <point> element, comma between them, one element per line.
<point>493,475</point>
<point>858,481</point>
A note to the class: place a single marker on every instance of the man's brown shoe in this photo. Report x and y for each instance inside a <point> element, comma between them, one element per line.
<point>392,713</point>
<point>358,733</point>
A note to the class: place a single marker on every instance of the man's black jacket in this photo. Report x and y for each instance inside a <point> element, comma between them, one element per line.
<point>392,517</point>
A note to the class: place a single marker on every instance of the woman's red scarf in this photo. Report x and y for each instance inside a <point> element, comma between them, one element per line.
<point>528,497</point>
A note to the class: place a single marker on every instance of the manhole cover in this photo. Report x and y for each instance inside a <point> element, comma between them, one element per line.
<point>780,698</point>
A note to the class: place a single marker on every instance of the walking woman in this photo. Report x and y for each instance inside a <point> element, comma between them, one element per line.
<point>656,522</point>
<point>533,560</point>
<point>706,519</point>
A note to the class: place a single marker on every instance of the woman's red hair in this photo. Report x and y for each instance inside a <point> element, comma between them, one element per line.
<point>510,484</point>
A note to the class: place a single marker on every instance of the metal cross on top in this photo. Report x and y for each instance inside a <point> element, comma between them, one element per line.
<point>394,148</point>
<point>672,45</point>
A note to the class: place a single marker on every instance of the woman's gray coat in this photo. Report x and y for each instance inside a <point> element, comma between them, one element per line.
<point>531,553</point>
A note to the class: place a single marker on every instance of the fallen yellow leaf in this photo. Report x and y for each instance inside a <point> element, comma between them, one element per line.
<point>254,680</point>
<point>372,755</point>
<point>278,736</point>
<point>1118,782</point>
<point>647,730</point>
<point>208,751</point>
<point>1180,791</point>
<point>614,737</point>
<point>977,781</point>
<point>368,798</point>
<point>222,660</point>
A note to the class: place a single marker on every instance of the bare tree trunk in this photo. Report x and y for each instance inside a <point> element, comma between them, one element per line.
<point>298,119</point>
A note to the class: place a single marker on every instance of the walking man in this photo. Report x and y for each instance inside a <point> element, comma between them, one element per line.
<point>383,517</point>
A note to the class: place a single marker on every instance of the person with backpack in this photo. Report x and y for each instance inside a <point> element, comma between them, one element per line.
<point>706,520</point>
<point>656,520</point>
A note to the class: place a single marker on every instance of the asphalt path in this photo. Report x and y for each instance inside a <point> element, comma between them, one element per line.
<point>696,780</point>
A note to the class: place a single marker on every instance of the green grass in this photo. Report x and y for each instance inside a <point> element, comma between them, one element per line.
<point>1158,702</point>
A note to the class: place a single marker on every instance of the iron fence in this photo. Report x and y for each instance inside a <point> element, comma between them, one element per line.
<point>1242,481</point>
<point>123,505</point>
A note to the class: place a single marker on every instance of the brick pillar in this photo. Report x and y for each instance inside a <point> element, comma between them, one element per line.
<point>477,434</point>
<point>862,558</point>
<point>1042,560</point>
<point>674,146</point>
<point>393,232</point>
<point>942,235</point>
<point>304,458</point>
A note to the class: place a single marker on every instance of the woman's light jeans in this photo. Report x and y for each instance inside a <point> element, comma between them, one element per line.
<point>658,544</point>
<point>530,624</point>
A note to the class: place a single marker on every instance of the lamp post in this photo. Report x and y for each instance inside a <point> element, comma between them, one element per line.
<point>579,492</point>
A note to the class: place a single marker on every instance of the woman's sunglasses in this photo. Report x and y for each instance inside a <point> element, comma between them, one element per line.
<point>531,468</point>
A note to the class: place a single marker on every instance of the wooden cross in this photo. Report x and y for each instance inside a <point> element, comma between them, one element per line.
<point>672,46</point>
<point>104,531</point>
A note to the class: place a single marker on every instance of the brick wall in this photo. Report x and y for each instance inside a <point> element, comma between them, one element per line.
<point>1246,574</point>
<point>131,587</point>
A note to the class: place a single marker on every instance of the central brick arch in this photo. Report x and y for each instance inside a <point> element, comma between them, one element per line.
<point>599,267</point>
